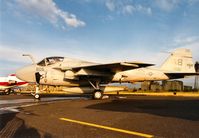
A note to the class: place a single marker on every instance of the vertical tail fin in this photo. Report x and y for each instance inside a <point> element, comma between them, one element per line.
<point>179,61</point>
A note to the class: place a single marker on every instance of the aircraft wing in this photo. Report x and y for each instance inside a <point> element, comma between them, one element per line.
<point>114,67</point>
<point>101,70</point>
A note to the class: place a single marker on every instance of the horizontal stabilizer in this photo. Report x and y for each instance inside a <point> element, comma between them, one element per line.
<point>180,75</point>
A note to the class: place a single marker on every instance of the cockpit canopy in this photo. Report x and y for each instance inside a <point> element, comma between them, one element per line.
<point>50,61</point>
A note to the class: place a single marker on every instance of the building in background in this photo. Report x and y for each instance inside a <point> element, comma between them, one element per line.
<point>146,85</point>
<point>172,85</point>
<point>165,86</point>
<point>188,88</point>
<point>156,86</point>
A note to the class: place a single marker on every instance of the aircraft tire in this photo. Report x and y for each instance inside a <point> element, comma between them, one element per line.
<point>37,96</point>
<point>97,95</point>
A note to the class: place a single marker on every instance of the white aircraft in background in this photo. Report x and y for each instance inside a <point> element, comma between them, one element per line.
<point>83,75</point>
<point>7,84</point>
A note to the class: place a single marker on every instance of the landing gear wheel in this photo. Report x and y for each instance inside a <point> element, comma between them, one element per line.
<point>97,95</point>
<point>37,96</point>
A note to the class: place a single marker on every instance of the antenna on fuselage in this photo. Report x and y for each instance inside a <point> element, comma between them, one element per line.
<point>31,57</point>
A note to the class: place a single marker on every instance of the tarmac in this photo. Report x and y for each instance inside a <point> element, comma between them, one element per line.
<point>118,116</point>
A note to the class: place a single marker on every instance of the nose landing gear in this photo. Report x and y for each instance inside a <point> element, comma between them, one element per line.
<point>37,77</point>
<point>37,96</point>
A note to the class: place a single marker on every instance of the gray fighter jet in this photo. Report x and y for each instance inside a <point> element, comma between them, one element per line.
<point>73,73</point>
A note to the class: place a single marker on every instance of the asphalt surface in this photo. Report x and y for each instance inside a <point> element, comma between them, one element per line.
<point>141,116</point>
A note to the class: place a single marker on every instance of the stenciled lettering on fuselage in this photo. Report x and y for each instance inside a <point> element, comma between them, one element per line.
<point>190,65</point>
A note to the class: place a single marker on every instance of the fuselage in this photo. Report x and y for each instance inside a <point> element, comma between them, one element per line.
<point>55,77</point>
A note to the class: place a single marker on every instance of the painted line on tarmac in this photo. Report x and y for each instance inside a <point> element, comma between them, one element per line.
<point>108,128</point>
<point>30,102</point>
<point>45,99</point>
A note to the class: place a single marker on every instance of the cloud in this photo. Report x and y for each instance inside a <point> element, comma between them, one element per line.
<point>191,2</point>
<point>129,9</point>
<point>126,7</point>
<point>167,5</point>
<point>11,59</point>
<point>13,53</point>
<point>10,54</point>
<point>110,5</point>
<point>180,40</point>
<point>48,9</point>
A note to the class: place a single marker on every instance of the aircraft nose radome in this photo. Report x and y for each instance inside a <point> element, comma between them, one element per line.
<point>26,73</point>
<point>19,74</point>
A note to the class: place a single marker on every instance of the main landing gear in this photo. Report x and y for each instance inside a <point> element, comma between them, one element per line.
<point>97,94</point>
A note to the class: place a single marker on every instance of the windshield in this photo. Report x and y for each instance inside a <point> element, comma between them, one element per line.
<point>50,61</point>
<point>42,63</point>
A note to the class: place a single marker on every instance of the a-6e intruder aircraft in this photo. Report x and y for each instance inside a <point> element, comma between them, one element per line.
<point>62,71</point>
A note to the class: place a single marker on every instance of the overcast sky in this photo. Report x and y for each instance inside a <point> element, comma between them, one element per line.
<point>96,30</point>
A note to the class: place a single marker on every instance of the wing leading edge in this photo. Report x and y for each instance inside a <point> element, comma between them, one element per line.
<point>113,67</point>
